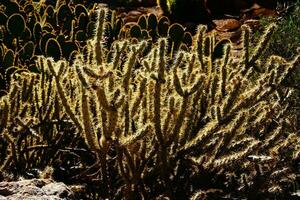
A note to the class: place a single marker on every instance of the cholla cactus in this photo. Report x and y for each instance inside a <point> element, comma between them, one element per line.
<point>172,125</point>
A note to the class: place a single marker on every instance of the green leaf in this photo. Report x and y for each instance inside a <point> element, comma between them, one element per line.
<point>68,48</point>
<point>118,26</point>
<point>28,8</point>
<point>44,40</point>
<point>11,8</point>
<point>142,22</point>
<point>61,39</point>
<point>80,36</point>
<point>53,49</point>
<point>90,29</point>
<point>50,12</point>
<point>37,31</point>
<point>3,18</point>
<point>152,22</point>
<point>188,38</point>
<point>63,13</point>
<point>8,59</point>
<point>176,32</point>
<point>135,31</point>
<point>48,27</point>
<point>79,9</point>
<point>1,34</point>
<point>82,21</point>
<point>26,36</point>
<point>28,50</point>
<point>163,26</point>
<point>16,25</point>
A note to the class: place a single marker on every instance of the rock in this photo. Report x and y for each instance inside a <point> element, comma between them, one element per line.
<point>264,12</point>
<point>227,24</point>
<point>35,189</point>
<point>133,16</point>
<point>134,13</point>
<point>57,189</point>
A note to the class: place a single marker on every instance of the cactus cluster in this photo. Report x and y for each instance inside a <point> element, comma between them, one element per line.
<point>149,28</point>
<point>60,30</point>
<point>28,29</point>
<point>200,126</point>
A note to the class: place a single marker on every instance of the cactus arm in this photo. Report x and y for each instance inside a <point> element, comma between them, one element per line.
<point>90,137</point>
<point>98,37</point>
<point>63,98</point>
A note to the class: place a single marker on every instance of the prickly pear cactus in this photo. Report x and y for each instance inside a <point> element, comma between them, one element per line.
<point>16,25</point>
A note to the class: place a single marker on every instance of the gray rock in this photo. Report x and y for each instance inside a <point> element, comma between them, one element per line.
<point>2,197</point>
<point>35,189</point>
<point>57,189</point>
